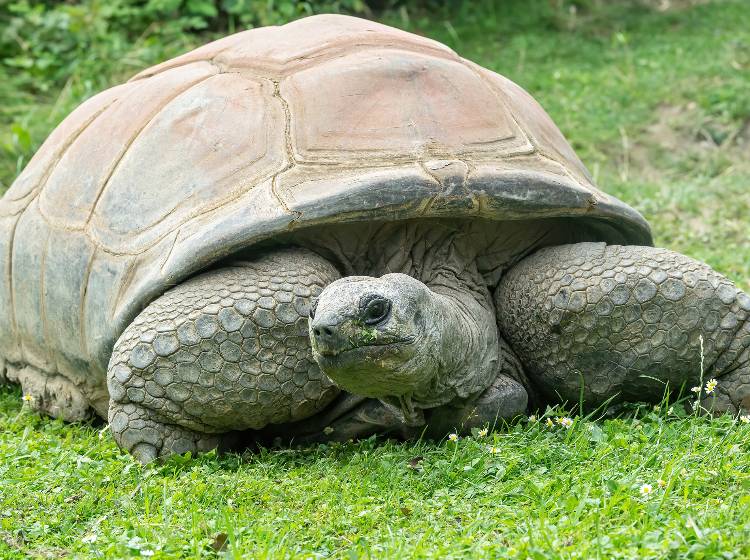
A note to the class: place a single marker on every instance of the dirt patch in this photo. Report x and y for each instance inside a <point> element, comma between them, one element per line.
<point>672,5</point>
<point>680,133</point>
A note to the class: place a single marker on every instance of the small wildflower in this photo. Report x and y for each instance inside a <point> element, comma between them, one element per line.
<point>696,389</point>
<point>745,418</point>
<point>89,539</point>
<point>661,483</point>
<point>549,422</point>
<point>453,438</point>
<point>483,432</point>
<point>695,404</point>
<point>532,418</point>
<point>328,430</point>
<point>646,489</point>
<point>711,385</point>
<point>147,552</point>
<point>494,450</point>
<point>27,398</point>
<point>670,411</point>
<point>565,422</point>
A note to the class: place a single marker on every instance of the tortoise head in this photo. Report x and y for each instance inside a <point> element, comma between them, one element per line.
<point>376,337</point>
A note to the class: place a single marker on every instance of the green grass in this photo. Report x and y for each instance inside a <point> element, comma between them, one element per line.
<point>656,103</point>
<point>545,492</point>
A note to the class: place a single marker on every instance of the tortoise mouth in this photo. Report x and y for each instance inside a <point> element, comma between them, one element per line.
<point>370,370</point>
<point>363,349</point>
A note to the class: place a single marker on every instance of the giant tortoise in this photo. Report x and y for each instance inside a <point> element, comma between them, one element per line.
<point>331,229</point>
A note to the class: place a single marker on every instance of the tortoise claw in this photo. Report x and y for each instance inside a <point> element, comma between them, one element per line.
<point>145,453</point>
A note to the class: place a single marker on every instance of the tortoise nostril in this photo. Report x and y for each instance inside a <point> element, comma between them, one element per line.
<point>326,335</point>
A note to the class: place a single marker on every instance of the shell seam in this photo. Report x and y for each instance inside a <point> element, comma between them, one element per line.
<point>43,302</point>
<point>82,307</point>
<point>289,147</point>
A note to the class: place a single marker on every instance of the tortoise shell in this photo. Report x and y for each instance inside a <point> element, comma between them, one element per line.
<point>328,119</point>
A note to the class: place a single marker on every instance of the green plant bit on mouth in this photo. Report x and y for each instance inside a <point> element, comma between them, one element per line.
<point>368,335</point>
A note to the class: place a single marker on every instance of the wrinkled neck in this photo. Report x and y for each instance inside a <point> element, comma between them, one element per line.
<point>465,344</point>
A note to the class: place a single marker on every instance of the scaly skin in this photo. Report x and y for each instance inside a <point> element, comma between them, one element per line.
<point>227,350</point>
<point>626,322</point>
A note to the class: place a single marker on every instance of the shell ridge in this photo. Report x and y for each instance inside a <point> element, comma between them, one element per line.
<point>289,66</point>
<point>286,68</point>
<point>432,199</point>
<point>125,281</point>
<point>165,67</point>
<point>169,253</point>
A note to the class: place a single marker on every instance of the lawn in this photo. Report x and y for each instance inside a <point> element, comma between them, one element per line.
<point>654,97</point>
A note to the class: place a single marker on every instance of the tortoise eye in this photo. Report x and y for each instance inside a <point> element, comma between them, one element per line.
<point>375,309</point>
<point>313,307</point>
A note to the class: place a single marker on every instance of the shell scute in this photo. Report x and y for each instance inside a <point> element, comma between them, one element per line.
<point>29,249</point>
<point>79,178</point>
<point>394,105</point>
<point>216,140</point>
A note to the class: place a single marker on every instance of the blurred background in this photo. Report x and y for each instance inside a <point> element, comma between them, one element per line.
<point>654,95</point>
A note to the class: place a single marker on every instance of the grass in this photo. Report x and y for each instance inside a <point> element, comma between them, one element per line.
<point>653,95</point>
<point>542,492</point>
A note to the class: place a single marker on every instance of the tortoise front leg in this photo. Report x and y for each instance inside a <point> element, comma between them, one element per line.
<point>227,350</point>
<point>628,322</point>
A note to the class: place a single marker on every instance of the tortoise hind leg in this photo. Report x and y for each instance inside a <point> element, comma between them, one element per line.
<point>225,351</point>
<point>50,393</point>
<point>732,393</point>
<point>626,322</point>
